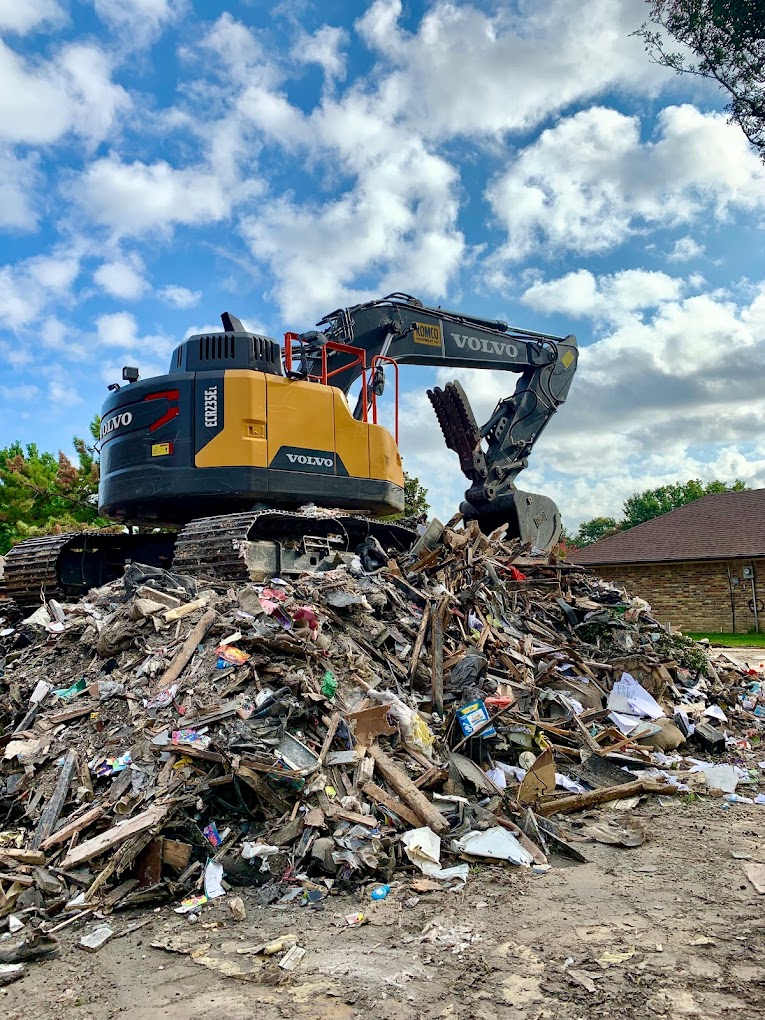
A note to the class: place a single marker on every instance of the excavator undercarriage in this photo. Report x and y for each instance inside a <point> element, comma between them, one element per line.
<point>231,547</point>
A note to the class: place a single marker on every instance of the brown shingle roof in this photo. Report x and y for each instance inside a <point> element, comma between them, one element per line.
<point>719,526</point>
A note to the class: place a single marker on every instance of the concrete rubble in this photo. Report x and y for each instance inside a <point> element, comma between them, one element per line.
<point>171,741</point>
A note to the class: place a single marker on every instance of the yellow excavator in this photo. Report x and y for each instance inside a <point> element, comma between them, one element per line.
<point>217,460</point>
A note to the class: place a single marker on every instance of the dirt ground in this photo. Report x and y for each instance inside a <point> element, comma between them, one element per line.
<point>512,944</point>
<point>750,656</point>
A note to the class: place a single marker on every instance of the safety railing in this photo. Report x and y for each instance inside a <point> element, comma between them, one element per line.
<point>359,358</point>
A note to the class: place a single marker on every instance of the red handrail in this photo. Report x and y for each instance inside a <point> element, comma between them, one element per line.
<point>331,345</point>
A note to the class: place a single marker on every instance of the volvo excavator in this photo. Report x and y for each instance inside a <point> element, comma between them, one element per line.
<point>216,461</point>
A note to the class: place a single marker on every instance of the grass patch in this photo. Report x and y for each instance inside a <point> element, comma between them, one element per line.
<point>732,640</point>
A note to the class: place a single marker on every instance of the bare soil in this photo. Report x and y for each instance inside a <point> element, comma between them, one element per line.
<point>511,945</point>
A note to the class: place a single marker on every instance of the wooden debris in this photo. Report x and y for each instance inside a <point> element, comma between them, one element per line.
<point>55,805</point>
<point>188,648</point>
<point>580,801</point>
<point>115,835</point>
<point>121,783</point>
<point>394,804</point>
<point>407,791</point>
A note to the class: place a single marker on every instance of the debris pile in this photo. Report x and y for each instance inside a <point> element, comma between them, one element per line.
<point>167,739</point>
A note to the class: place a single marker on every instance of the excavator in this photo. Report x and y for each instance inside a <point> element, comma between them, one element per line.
<point>246,459</point>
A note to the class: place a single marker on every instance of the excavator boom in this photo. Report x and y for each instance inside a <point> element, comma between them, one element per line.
<point>491,456</point>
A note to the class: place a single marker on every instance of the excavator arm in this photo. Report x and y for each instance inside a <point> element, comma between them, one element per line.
<point>492,455</point>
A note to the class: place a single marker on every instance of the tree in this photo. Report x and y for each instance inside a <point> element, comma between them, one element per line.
<point>415,497</point>
<point>41,494</point>
<point>727,42</point>
<point>644,506</point>
<point>594,530</point>
<point>566,545</point>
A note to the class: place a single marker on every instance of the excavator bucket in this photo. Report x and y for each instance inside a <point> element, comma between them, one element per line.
<point>532,518</point>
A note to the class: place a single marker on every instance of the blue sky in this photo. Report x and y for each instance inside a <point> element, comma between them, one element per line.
<point>162,161</point>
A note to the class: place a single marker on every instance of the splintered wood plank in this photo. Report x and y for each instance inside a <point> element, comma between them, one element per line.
<point>117,834</point>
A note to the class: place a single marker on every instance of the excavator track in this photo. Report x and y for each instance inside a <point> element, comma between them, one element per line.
<point>31,570</point>
<point>66,566</point>
<point>214,547</point>
<point>231,547</point>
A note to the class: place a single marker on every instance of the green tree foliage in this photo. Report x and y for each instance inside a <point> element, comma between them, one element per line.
<point>727,43</point>
<point>594,530</point>
<point>644,506</point>
<point>415,497</point>
<point>416,504</point>
<point>566,545</point>
<point>41,494</point>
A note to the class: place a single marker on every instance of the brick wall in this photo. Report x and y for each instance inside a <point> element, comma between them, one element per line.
<point>694,595</point>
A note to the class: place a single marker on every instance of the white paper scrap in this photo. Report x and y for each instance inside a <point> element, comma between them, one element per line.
<point>721,777</point>
<point>423,848</point>
<point>214,880</point>
<point>628,696</point>
<point>495,844</point>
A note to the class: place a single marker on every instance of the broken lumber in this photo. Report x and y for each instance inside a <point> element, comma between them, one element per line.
<point>115,835</point>
<point>579,801</point>
<point>75,825</point>
<point>437,656</point>
<point>419,641</point>
<point>55,805</point>
<point>407,791</point>
<point>180,611</point>
<point>394,804</point>
<point>188,648</point>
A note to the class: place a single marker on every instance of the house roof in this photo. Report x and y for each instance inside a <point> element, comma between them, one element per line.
<point>722,525</point>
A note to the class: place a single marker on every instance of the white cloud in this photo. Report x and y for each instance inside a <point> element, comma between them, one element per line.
<point>606,297</point>
<point>685,249</point>
<point>467,71</point>
<point>61,393</point>
<point>589,183</point>
<point>21,393</point>
<point>324,48</point>
<point>144,18</point>
<point>149,352</point>
<point>19,179</point>
<point>137,198</point>
<point>39,103</point>
<point>122,278</point>
<point>118,329</point>
<point>28,286</point>
<point>179,297</point>
<point>22,16</point>
<point>395,218</point>
<point>399,221</point>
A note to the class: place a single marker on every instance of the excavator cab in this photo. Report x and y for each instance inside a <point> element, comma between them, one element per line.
<point>234,424</point>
